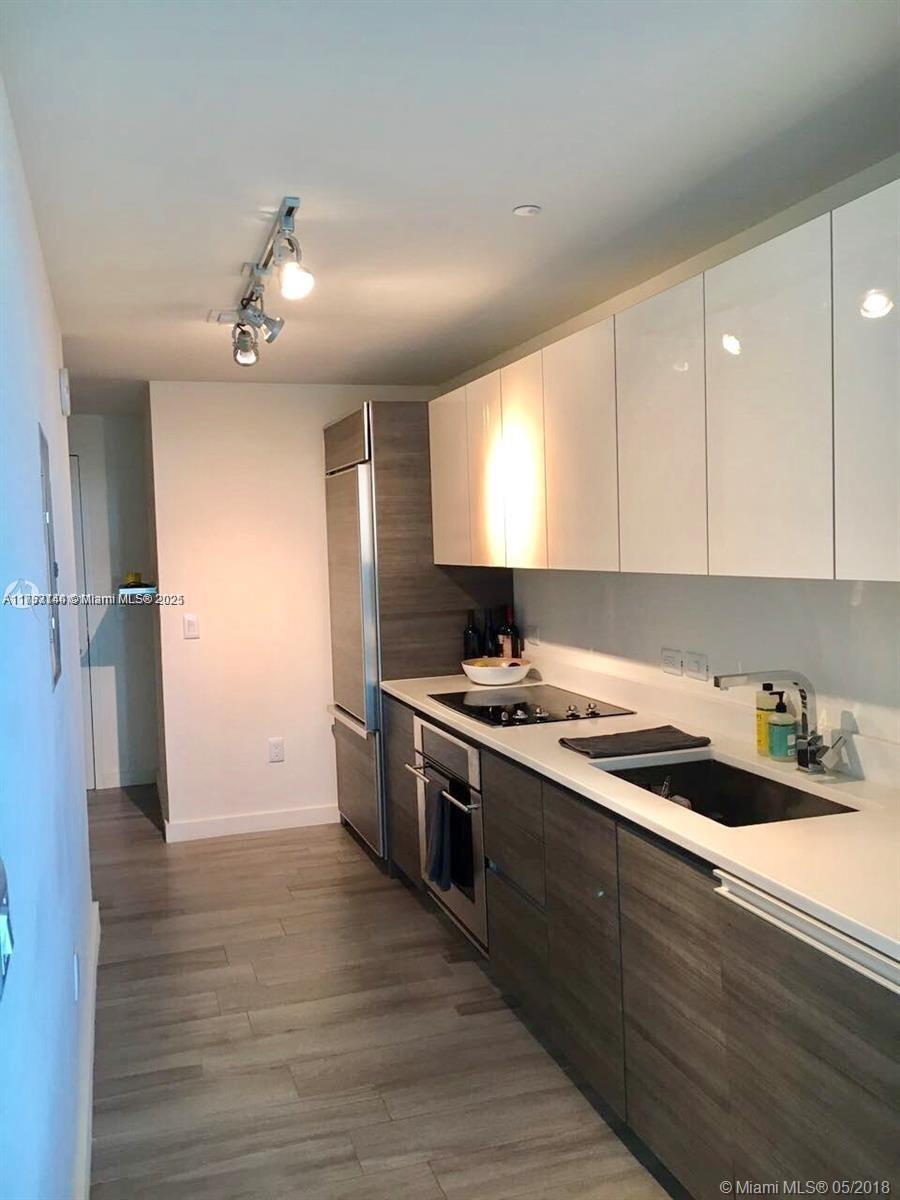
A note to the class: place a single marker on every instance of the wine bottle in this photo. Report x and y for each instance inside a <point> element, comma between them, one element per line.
<point>471,638</point>
<point>491,646</point>
<point>508,636</point>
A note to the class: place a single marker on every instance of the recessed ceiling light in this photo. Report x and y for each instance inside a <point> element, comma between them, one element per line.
<point>731,343</point>
<point>876,303</point>
<point>527,210</point>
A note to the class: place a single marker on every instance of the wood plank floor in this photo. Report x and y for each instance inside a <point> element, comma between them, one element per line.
<point>278,1019</point>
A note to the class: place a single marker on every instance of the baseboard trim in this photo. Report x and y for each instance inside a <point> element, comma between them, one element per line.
<point>261,822</point>
<point>81,1182</point>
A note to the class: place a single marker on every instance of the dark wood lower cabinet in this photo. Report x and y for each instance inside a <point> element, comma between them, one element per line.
<point>813,1049</point>
<point>513,813</point>
<point>400,787</point>
<point>517,935</point>
<point>583,938</point>
<point>677,1076</point>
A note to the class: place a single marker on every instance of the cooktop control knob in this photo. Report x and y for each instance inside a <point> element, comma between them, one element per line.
<point>520,714</point>
<point>540,713</point>
<point>592,710</point>
<point>572,712</point>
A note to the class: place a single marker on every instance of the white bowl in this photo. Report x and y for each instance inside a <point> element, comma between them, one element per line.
<point>495,672</point>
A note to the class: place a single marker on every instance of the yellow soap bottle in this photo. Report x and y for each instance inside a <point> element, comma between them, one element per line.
<point>765,706</point>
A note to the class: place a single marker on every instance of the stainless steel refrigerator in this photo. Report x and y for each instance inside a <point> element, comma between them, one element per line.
<point>394,614</point>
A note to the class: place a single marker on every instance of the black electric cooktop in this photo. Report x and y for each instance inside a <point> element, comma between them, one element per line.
<point>534,705</point>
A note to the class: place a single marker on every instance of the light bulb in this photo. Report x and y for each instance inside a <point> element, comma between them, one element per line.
<point>876,303</point>
<point>731,343</point>
<point>296,281</point>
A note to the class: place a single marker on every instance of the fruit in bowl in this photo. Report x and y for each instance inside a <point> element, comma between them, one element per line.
<point>494,672</point>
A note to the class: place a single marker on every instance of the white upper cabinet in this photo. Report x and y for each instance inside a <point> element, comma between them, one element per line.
<point>580,451</point>
<point>769,408</point>
<point>660,378</point>
<point>866,247</point>
<point>522,389</point>
<point>450,478</point>
<point>486,474</point>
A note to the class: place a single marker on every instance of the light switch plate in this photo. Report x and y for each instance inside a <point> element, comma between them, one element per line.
<point>191,625</point>
<point>670,661</point>
<point>696,665</point>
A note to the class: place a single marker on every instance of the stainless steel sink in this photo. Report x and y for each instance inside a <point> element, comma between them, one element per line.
<point>728,794</point>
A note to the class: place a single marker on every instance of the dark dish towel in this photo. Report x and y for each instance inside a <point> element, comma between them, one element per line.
<point>637,741</point>
<point>438,837</point>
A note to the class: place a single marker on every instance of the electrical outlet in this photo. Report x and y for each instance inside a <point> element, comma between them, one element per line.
<point>696,665</point>
<point>276,750</point>
<point>670,660</point>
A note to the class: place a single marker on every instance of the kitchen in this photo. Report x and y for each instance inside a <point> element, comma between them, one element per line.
<point>504,801</point>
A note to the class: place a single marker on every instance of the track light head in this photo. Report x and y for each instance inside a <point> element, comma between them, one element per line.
<point>296,281</point>
<point>245,346</point>
<point>271,327</point>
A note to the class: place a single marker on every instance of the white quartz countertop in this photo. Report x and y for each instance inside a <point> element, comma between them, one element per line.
<point>842,869</point>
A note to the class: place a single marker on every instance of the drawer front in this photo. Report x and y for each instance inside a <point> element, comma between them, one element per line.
<point>677,1082</point>
<point>517,941</point>
<point>402,799</point>
<point>583,935</point>
<point>514,823</point>
<point>812,1050</point>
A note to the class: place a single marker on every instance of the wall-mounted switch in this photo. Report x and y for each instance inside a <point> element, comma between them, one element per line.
<point>6,933</point>
<point>191,625</point>
<point>696,665</point>
<point>276,749</point>
<point>670,660</point>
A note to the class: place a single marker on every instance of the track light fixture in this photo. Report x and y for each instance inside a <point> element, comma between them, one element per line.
<point>282,251</point>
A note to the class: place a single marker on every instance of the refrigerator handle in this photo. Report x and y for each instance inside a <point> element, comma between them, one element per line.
<point>358,728</point>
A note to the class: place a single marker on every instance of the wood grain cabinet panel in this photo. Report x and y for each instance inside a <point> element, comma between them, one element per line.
<point>677,1084</point>
<point>661,398</point>
<point>449,452</point>
<point>866,248</point>
<point>580,451</point>
<point>769,408</point>
<point>583,933</point>
<point>517,935</point>
<point>524,484</point>
<point>813,1059</point>
<point>400,788</point>
<point>512,808</point>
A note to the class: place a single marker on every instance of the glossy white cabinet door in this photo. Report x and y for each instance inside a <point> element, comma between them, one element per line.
<point>769,408</point>
<point>866,247</point>
<point>660,379</point>
<point>522,389</point>
<point>486,476</point>
<point>448,442</point>
<point>580,451</point>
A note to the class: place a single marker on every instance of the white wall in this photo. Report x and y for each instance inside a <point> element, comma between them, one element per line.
<point>844,636</point>
<point>43,836</point>
<point>116,509</point>
<point>238,476</point>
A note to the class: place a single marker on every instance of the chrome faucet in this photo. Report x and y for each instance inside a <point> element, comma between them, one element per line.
<point>812,753</point>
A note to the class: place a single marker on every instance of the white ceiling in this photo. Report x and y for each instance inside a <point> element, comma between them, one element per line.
<point>155,134</point>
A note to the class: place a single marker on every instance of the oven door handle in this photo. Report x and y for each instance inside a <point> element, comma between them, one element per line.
<point>466,808</point>
<point>415,771</point>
